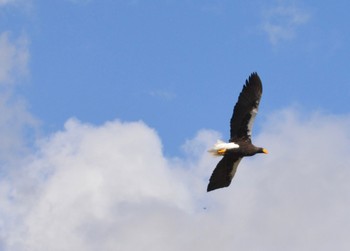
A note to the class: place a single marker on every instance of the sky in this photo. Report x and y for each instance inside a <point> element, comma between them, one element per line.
<point>108,109</point>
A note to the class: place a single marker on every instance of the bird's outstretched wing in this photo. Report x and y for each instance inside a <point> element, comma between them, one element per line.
<point>246,109</point>
<point>223,172</point>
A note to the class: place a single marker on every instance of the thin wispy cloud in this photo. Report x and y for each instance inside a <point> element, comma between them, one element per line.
<point>15,119</point>
<point>163,94</point>
<point>281,23</point>
<point>4,2</point>
<point>14,58</point>
<point>80,1</point>
<point>15,3</point>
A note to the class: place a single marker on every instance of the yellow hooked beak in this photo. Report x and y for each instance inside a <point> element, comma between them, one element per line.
<point>265,151</point>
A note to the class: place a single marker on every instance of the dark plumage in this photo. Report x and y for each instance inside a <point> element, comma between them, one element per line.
<point>240,144</point>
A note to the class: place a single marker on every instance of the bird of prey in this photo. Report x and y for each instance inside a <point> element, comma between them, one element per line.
<point>240,143</point>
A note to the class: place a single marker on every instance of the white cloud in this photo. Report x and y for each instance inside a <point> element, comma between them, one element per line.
<point>15,120</point>
<point>91,179</point>
<point>109,187</point>
<point>281,22</point>
<point>15,123</point>
<point>14,58</point>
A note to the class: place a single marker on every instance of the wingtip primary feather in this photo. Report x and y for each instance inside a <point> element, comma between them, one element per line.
<point>254,78</point>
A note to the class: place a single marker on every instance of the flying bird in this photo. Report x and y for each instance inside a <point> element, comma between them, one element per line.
<point>240,143</point>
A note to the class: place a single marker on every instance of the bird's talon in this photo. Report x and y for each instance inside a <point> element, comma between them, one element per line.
<point>221,151</point>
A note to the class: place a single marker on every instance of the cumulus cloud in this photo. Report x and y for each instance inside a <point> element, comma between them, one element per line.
<point>281,22</point>
<point>95,181</point>
<point>109,187</point>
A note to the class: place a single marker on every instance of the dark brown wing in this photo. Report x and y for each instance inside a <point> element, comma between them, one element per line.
<point>223,172</point>
<point>246,109</point>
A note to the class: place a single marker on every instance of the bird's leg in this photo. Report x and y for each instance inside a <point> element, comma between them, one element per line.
<point>221,151</point>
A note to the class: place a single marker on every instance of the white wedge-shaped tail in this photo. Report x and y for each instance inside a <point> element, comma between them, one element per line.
<point>220,147</point>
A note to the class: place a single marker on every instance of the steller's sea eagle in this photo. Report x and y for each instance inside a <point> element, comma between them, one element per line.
<point>240,144</point>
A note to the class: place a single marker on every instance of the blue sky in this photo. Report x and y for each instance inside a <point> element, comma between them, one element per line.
<point>178,65</point>
<point>108,109</point>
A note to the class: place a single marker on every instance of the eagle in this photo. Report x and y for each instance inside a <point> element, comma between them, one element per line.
<point>240,144</point>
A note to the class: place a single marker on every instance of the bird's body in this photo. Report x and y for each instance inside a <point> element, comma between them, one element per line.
<point>240,144</point>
